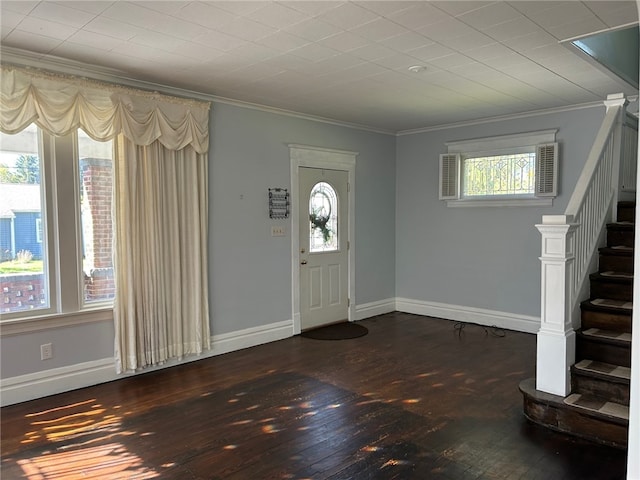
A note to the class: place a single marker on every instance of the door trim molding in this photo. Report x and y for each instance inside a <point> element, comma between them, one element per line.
<point>330,159</point>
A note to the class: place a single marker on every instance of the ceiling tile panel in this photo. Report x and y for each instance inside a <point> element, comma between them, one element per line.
<point>166,6</point>
<point>314,52</point>
<point>277,15</point>
<point>517,27</point>
<point>312,7</point>
<point>379,29</point>
<point>406,41</point>
<point>219,40</point>
<point>460,7</point>
<point>561,13</point>
<point>9,20</point>
<point>246,29</point>
<point>290,62</point>
<point>490,15</point>
<point>549,51</point>
<point>531,7</point>
<point>313,29</point>
<point>205,14</point>
<point>95,40</point>
<point>196,51</point>
<point>470,41</point>
<point>419,16</point>
<point>176,27</point>
<point>154,40</point>
<point>578,28</point>
<point>82,52</point>
<point>244,7</point>
<point>446,29</point>
<point>492,50</point>
<point>112,28</point>
<point>135,15</point>
<point>386,8</point>
<point>449,61</point>
<point>614,12</point>
<point>30,41</point>
<point>252,53</point>
<point>348,16</point>
<point>396,61</point>
<point>344,41</point>
<point>19,6</point>
<point>62,14</point>
<point>283,41</point>
<point>90,6</point>
<point>361,71</point>
<point>507,62</point>
<point>339,63</point>
<point>431,51</point>
<point>46,28</point>
<point>372,51</point>
<point>530,41</point>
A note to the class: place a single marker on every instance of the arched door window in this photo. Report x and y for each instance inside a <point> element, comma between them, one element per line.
<point>323,217</point>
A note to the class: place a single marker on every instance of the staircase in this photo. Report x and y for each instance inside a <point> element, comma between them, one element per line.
<point>598,406</point>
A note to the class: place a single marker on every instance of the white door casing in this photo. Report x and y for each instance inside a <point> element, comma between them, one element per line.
<point>323,264</point>
<point>330,159</point>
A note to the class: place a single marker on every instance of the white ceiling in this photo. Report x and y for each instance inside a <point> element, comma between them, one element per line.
<point>346,61</point>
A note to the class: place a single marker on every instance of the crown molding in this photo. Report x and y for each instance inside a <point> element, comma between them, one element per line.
<point>24,58</point>
<point>502,118</point>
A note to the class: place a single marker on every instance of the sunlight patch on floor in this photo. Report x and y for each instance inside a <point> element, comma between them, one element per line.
<point>111,461</point>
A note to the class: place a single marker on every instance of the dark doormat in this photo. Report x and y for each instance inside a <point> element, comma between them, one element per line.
<point>337,331</point>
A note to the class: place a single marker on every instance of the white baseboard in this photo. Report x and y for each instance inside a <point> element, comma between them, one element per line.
<point>57,380</point>
<point>371,309</point>
<point>510,321</point>
<point>250,337</point>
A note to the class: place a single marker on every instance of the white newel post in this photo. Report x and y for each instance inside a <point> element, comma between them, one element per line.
<point>556,337</point>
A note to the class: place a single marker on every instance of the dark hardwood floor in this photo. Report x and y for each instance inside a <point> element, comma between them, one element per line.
<point>413,399</point>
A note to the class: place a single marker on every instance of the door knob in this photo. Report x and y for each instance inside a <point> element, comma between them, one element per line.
<point>303,262</point>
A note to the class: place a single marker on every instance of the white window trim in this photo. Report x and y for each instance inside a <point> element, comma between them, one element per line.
<point>488,146</point>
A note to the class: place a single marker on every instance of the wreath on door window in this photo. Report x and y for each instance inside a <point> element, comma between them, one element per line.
<point>319,218</point>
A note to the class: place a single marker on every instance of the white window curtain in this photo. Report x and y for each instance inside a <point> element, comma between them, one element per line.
<point>161,309</point>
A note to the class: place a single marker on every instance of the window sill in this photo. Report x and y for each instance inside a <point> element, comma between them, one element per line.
<point>513,202</point>
<point>45,322</point>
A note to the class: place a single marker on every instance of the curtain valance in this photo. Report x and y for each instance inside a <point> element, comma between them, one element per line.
<point>59,104</point>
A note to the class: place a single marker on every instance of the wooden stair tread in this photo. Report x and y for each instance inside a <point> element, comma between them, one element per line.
<point>610,276</point>
<point>607,336</point>
<point>604,370</point>
<point>621,250</point>
<point>599,406</point>
<point>606,304</point>
<point>613,274</point>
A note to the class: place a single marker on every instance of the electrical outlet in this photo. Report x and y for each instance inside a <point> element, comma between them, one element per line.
<point>46,351</point>
<point>277,231</point>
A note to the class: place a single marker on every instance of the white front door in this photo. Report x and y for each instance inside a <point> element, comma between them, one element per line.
<point>323,244</point>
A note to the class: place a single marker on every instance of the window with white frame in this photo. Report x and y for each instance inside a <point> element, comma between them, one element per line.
<point>52,188</point>
<point>520,169</point>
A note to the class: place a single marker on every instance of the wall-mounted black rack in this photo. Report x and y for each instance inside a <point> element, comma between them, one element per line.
<point>278,203</point>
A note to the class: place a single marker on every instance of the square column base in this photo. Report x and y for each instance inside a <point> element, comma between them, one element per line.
<point>556,352</point>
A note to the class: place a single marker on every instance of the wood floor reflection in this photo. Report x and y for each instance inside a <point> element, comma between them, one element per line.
<point>414,399</point>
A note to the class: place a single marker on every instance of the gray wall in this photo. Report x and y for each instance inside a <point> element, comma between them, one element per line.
<point>481,257</point>
<point>250,271</point>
